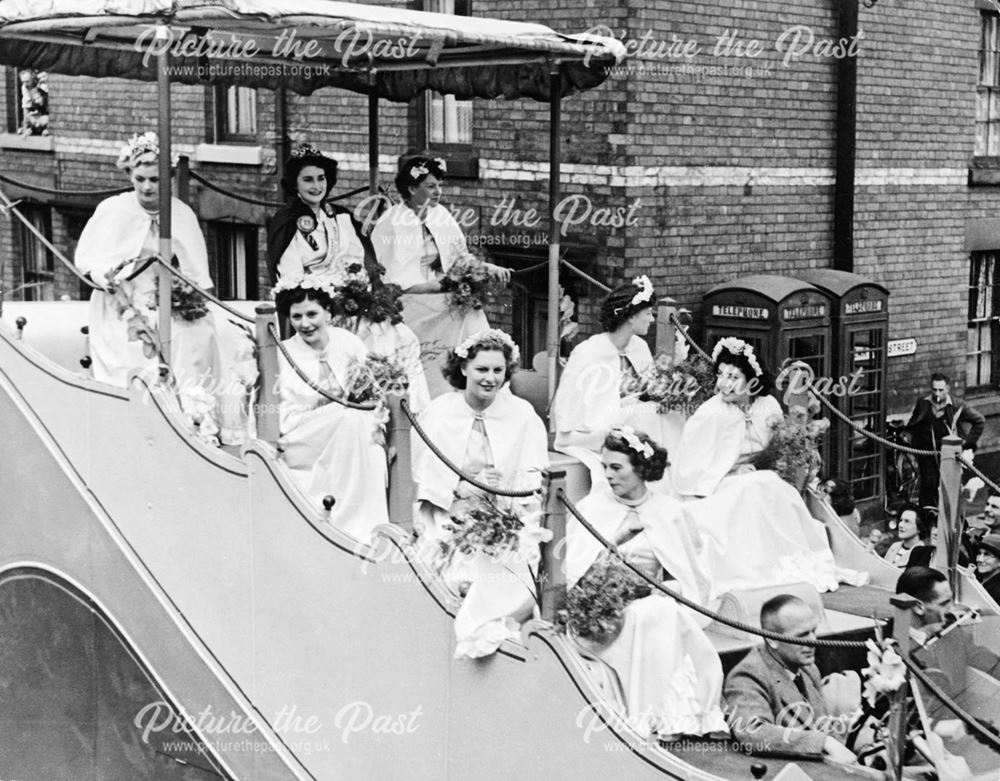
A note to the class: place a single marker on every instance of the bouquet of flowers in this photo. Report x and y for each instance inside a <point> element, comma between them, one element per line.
<point>483,526</point>
<point>677,387</point>
<point>371,380</point>
<point>595,606</point>
<point>352,299</point>
<point>186,303</point>
<point>793,451</point>
<point>385,304</point>
<point>468,284</point>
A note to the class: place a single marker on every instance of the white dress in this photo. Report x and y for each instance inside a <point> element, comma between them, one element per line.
<point>669,670</point>
<point>329,448</point>
<point>328,250</point>
<point>411,251</point>
<point>588,403</point>
<point>755,528</point>
<point>204,354</point>
<point>509,437</point>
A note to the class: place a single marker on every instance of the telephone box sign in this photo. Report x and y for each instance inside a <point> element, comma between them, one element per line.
<point>864,306</point>
<point>899,347</point>
<point>804,312</point>
<point>742,312</point>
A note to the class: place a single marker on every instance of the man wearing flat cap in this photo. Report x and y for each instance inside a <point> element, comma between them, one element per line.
<point>988,564</point>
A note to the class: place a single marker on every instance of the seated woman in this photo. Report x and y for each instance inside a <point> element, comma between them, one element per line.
<point>328,448</point>
<point>418,241</point>
<point>123,319</point>
<point>308,236</point>
<point>668,668</point>
<point>756,529</point>
<point>498,439</point>
<point>912,546</point>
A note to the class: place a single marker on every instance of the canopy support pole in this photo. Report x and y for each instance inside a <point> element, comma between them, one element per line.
<point>555,155</point>
<point>372,133</point>
<point>166,249</point>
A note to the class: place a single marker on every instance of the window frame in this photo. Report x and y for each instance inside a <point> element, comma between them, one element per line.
<point>976,321</point>
<point>220,127</point>
<point>222,263</point>
<point>27,245</point>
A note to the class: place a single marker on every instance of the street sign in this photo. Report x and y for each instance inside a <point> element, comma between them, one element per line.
<point>899,347</point>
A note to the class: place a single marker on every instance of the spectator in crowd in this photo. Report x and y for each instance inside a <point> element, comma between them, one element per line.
<point>774,696</point>
<point>841,499</point>
<point>912,546</point>
<point>934,417</point>
<point>988,565</point>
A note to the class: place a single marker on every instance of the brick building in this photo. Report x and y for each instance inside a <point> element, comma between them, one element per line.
<point>716,151</point>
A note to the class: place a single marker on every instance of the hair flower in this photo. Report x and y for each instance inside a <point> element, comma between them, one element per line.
<point>737,347</point>
<point>645,290</point>
<point>418,170</point>
<point>306,282</point>
<point>627,435</point>
<point>491,336</point>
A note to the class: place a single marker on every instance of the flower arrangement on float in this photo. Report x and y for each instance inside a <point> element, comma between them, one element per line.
<point>371,380</point>
<point>677,386</point>
<point>793,451</point>
<point>483,525</point>
<point>595,605</point>
<point>186,302</point>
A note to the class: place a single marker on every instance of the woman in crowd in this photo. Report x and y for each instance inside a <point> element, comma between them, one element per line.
<point>669,670</point>
<point>499,440</point>
<point>418,242</point>
<point>329,448</point>
<point>912,546</point>
<point>308,236</point>
<point>115,251</point>
<point>756,529</point>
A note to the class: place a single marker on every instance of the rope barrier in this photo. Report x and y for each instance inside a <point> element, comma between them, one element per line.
<point>687,337</point>
<point>529,269</point>
<point>970,721</point>
<point>870,434</point>
<point>585,275</point>
<point>748,628</point>
<point>50,191</point>
<point>9,206</point>
<point>257,201</point>
<point>976,471</point>
<point>204,293</point>
<point>305,377</point>
<point>456,469</point>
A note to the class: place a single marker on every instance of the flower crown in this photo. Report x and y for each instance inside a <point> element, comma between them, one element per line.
<point>628,435</point>
<point>422,170</point>
<point>491,336</point>
<point>737,347</point>
<point>137,146</point>
<point>306,282</point>
<point>645,293</point>
<point>305,150</point>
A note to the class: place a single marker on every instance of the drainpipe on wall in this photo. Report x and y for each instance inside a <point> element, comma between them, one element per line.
<point>847,126</point>
<point>280,134</point>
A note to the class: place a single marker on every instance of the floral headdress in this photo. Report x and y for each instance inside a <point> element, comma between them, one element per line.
<point>645,294</point>
<point>137,146</point>
<point>306,282</point>
<point>493,336</point>
<point>422,168</point>
<point>628,435</point>
<point>305,150</point>
<point>737,347</point>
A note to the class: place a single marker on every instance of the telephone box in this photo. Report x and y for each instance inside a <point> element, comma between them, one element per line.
<point>781,317</point>
<point>860,320</point>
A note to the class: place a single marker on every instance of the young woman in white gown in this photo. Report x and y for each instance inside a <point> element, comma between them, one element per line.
<point>755,526</point>
<point>418,241</point>
<point>328,448</point>
<point>669,670</point>
<point>599,388</point>
<point>498,439</point>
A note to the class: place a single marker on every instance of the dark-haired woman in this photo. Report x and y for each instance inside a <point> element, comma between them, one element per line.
<point>599,387</point>
<point>669,670</point>
<point>756,529</point>
<point>327,447</point>
<point>418,241</point>
<point>498,439</point>
<point>309,236</point>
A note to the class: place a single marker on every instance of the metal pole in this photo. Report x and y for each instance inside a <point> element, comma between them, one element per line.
<point>903,605</point>
<point>552,576</point>
<point>555,154</point>
<point>166,248</point>
<point>266,408</point>
<point>949,517</point>
<point>402,491</point>
<point>372,132</point>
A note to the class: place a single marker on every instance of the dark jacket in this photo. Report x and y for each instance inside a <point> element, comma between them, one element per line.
<point>992,585</point>
<point>928,430</point>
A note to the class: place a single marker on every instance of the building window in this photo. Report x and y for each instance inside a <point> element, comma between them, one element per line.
<point>27,102</point>
<point>988,92</point>
<point>984,315</point>
<point>37,263</point>
<point>235,260</point>
<point>235,114</point>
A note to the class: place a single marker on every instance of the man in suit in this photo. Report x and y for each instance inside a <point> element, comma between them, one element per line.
<point>774,696</point>
<point>934,417</point>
